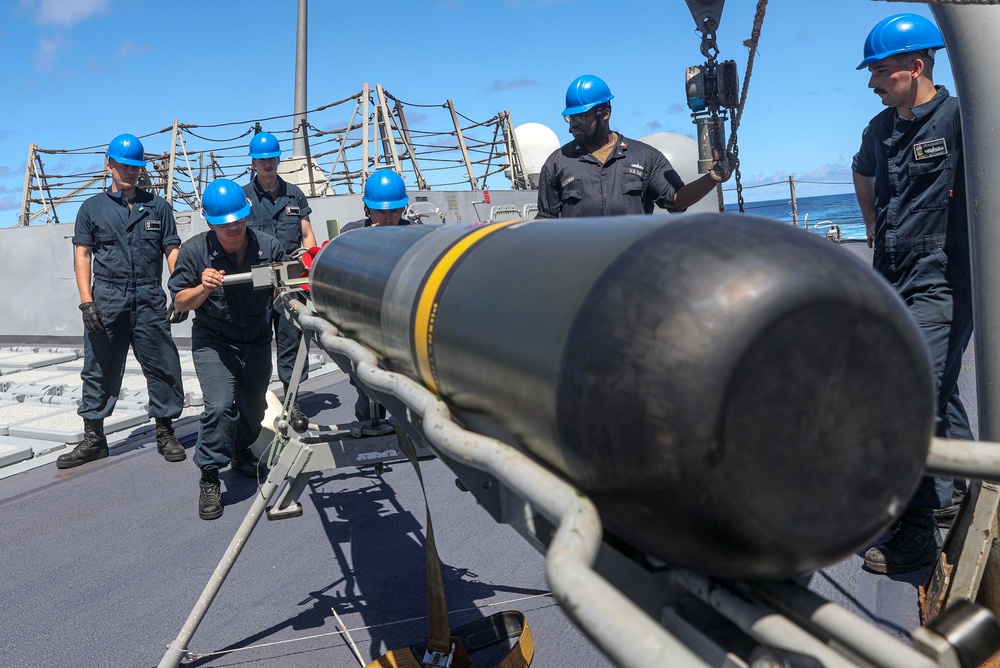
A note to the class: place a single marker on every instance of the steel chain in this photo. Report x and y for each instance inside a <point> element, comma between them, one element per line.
<point>708,45</point>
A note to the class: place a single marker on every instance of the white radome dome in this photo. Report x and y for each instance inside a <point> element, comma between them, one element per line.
<point>537,142</point>
<point>682,152</point>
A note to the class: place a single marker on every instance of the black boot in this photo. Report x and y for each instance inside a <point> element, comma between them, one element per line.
<point>210,496</point>
<point>166,443</point>
<point>915,542</point>
<point>245,463</point>
<point>94,446</point>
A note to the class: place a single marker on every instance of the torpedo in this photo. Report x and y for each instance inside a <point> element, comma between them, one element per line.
<point>736,396</point>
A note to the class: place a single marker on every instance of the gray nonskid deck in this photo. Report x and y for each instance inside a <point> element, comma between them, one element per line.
<point>103,563</point>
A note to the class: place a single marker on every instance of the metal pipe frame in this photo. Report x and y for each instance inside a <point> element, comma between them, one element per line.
<point>44,191</point>
<point>340,153</point>
<point>953,458</point>
<point>365,103</point>
<point>399,121</point>
<point>764,625</point>
<point>849,630</point>
<point>22,220</point>
<point>630,637</point>
<point>177,651</point>
<point>385,127</point>
<point>970,35</point>
<point>187,161</point>
<point>461,144</point>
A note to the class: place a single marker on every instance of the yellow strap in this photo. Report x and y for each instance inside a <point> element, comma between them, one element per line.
<point>396,658</point>
<point>519,656</point>
<point>522,652</point>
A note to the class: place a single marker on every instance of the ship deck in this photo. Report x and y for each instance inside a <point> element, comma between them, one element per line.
<point>103,563</point>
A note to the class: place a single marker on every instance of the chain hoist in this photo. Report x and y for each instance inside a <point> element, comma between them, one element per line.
<point>712,90</point>
<point>714,95</point>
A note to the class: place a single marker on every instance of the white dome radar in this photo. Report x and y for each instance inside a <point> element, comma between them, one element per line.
<point>537,142</point>
<point>682,152</point>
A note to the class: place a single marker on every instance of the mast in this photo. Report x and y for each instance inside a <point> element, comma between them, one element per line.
<point>298,168</point>
<point>299,147</point>
<point>973,54</point>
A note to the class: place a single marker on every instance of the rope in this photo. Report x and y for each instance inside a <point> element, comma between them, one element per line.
<point>758,21</point>
<point>239,136</point>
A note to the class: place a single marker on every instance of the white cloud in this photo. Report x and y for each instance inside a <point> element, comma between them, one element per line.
<point>64,13</point>
<point>832,173</point>
<point>48,50</point>
<point>511,84</point>
<point>130,49</point>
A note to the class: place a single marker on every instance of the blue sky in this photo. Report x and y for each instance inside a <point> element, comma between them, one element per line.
<point>78,72</point>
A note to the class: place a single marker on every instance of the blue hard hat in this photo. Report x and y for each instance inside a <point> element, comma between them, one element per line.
<point>585,93</point>
<point>900,33</point>
<point>265,145</point>
<point>126,149</point>
<point>385,190</point>
<point>224,202</point>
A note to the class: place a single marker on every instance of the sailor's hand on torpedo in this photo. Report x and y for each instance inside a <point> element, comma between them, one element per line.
<point>174,316</point>
<point>93,319</point>
<point>722,169</point>
<point>211,279</point>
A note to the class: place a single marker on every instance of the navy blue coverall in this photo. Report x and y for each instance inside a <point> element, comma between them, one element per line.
<point>281,217</point>
<point>922,246</point>
<point>230,344</point>
<point>127,266</point>
<point>573,183</point>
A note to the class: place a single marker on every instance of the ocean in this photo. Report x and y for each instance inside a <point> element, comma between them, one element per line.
<point>817,214</point>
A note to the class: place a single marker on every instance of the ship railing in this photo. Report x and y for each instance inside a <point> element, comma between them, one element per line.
<point>436,147</point>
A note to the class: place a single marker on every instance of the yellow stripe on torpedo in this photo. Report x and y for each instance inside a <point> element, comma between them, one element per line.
<point>423,324</point>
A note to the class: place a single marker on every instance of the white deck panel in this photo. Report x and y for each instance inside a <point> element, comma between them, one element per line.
<point>35,360</point>
<point>66,426</point>
<point>12,453</point>
<point>12,414</point>
<point>42,374</point>
<point>193,396</point>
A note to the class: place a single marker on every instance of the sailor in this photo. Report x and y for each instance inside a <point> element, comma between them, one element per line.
<point>230,336</point>
<point>121,237</point>
<point>604,173</point>
<point>385,201</point>
<point>280,209</point>
<point>909,177</point>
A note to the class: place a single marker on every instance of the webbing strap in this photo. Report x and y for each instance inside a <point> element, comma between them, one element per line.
<point>438,632</point>
<point>477,635</point>
<point>396,658</point>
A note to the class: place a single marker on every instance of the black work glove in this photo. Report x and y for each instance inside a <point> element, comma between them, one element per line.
<point>722,169</point>
<point>93,319</point>
<point>174,316</point>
